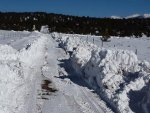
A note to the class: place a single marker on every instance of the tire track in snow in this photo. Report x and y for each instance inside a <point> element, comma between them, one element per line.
<point>90,99</point>
<point>72,96</point>
<point>84,97</point>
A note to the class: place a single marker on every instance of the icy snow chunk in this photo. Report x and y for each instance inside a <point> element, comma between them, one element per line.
<point>44,29</point>
<point>7,53</point>
<point>145,66</point>
<point>79,58</point>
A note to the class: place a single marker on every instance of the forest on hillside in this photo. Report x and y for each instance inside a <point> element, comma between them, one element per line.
<point>74,24</point>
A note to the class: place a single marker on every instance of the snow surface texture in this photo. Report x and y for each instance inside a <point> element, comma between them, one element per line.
<point>117,75</point>
<point>19,71</point>
<point>141,46</point>
<point>112,71</point>
<point>30,58</point>
<point>44,29</point>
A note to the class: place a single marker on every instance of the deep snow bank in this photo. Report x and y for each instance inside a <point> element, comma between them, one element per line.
<point>19,71</point>
<point>114,72</point>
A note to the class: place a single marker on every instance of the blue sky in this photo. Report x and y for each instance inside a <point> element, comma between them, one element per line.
<point>95,8</point>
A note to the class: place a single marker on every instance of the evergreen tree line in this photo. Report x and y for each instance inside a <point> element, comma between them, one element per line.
<point>75,24</point>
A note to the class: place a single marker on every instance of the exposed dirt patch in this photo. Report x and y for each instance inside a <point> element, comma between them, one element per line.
<point>47,88</point>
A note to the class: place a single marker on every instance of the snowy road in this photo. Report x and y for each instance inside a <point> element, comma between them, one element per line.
<point>40,77</point>
<point>73,96</point>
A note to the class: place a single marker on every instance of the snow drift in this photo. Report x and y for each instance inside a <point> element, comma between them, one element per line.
<point>113,72</point>
<point>18,76</point>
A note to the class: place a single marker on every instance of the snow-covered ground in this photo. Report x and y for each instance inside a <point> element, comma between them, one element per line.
<point>64,73</point>
<point>140,46</point>
<point>113,72</point>
<point>20,65</point>
<point>34,77</point>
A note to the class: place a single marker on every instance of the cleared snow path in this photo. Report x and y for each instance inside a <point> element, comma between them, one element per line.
<point>72,96</point>
<point>114,74</point>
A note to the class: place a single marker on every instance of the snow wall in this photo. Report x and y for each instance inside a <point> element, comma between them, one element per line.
<point>114,73</point>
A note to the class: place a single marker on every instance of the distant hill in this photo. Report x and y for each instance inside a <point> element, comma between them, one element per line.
<point>115,26</point>
<point>138,16</point>
<point>132,16</point>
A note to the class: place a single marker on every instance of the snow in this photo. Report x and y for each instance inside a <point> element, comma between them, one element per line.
<point>71,96</point>
<point>44,29</point>
<point>133,16</point>
<point>76,66</point>
<point>28,58</point>
<point>116,17</point>
<point>106,69</point>
<point>114,72</point>
<point>146,15</point>
<point>138,45</point>
<point>20,69</point>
